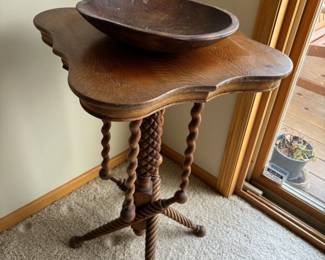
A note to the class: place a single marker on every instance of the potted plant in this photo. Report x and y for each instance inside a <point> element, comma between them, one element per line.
<point>291,153</point>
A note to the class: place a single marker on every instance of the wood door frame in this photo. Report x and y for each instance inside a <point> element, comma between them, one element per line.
<point>253,111</point>
<point>296,52</point>
<point>248,147</point>
<point>270,15</point>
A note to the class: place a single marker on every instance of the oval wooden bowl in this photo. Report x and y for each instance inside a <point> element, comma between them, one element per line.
<point>159,25</point>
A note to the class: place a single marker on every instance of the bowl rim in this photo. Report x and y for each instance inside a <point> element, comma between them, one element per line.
<point>229,30</point>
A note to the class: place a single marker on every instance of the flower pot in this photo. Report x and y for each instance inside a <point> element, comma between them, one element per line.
<point>290,165</point>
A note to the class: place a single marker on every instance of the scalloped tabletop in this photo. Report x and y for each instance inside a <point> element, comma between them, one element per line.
<point>123,84</point>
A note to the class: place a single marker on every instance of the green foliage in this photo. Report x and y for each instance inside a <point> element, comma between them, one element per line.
<point>295,147</point>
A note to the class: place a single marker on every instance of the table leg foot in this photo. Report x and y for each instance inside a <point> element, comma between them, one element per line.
<point>139,232</point>
<point>200,231</point>
<point>75,242</point>
<point>173,214</point>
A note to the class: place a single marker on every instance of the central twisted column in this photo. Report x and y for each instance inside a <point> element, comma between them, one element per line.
<point>149,159</point>
<point>148,181</point>
<point>152,224</point>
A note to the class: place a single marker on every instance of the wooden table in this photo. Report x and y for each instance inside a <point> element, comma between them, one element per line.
<point>115,83</point>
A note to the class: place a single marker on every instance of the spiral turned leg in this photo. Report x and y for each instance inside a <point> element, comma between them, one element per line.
<point>193,128</point>
<point>105,172</point>
<point>198,230</point>
<point>128,212</point>
<point>115,225</point>
<point>189,151</point>
<point>189,154</point>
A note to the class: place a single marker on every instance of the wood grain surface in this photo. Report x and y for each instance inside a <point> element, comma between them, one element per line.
<point>123,84</point>
<point>160,25</point>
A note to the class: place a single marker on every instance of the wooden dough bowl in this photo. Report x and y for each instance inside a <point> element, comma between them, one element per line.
<point>159,25</point>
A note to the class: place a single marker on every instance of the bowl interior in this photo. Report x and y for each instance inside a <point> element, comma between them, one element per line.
<point>181,17</point>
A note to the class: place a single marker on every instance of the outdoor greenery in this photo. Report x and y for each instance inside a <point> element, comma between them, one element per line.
<point>295,147</point>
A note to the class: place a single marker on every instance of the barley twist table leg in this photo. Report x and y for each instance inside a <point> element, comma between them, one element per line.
<point>198,230</point>
<point>189,151</point>
<point>128,212</point>
<point>189,154</point>
<point>115,225</point>
<point>105,173</point>
<point>191,143</point>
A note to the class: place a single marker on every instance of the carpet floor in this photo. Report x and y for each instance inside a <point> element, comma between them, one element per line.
<point>235,230</point>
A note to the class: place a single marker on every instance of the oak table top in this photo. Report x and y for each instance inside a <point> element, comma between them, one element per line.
<point>124,84</point>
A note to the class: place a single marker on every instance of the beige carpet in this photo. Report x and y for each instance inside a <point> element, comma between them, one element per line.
<point>235,229</point>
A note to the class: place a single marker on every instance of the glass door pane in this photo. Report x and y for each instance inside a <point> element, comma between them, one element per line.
<point>298,158</point>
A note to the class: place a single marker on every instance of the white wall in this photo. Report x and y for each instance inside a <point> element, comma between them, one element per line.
<point>46,139</point>
<point>218,113</point>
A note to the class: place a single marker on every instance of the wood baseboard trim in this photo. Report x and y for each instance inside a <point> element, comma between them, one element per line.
<point>203,175</point>
<point>286,219</point>
<point>35,206</point>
